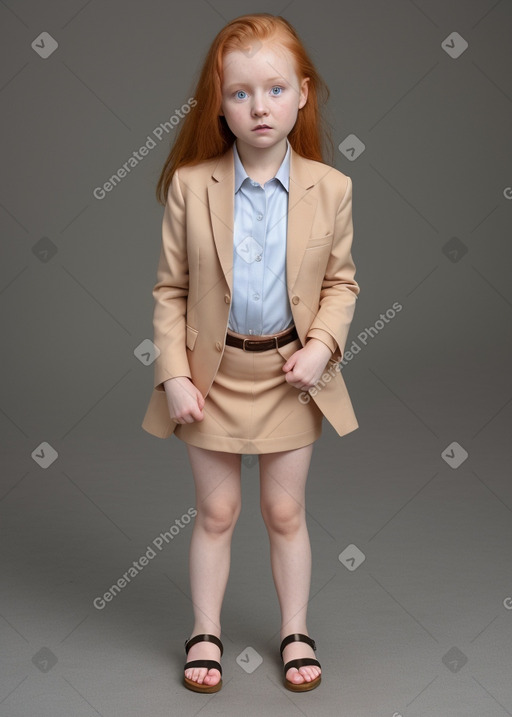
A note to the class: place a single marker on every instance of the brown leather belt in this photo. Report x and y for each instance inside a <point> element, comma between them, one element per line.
<point>263,344</point>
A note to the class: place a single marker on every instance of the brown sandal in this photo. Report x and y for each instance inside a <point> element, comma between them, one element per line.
<point>191,684</point>
<point>300,662</point>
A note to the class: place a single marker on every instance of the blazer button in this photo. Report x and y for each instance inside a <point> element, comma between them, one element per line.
<point>218,346</point>
<point>226,298</point>
<point>295,299</point>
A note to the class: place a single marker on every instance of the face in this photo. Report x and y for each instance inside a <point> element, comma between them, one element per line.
<point>261,88</point>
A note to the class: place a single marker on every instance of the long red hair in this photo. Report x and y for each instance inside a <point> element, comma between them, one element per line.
<point>204,134</point>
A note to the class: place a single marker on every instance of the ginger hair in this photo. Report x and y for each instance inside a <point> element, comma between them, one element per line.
<point>204,134</point>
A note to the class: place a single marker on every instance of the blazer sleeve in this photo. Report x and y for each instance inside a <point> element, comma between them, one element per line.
<point>171,291</point>
<point>339,288</point>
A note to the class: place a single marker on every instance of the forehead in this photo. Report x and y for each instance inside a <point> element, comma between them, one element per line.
<point>261,63</point>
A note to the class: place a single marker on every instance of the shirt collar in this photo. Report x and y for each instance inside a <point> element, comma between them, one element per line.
<point>283,173</point>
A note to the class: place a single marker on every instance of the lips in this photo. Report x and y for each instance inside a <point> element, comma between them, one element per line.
<point>262,126</point>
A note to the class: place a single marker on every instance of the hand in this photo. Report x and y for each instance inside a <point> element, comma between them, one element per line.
<point>185,401</point>
<point>305,366</point>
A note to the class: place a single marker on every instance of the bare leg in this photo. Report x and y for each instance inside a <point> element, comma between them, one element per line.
<point>218,504</point>
<point>283,478</point>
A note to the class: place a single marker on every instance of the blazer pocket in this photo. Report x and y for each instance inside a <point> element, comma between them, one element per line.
<point>191,336</point>
<point>322,240</point>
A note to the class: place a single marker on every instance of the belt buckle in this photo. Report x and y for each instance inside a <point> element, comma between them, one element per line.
<point>270,337</point>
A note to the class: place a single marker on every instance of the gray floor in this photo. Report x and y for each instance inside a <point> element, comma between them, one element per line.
<point>421,626</point>
<point>422,491</point>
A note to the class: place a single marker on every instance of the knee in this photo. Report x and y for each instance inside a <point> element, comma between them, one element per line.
<point>218,518</point>
<point>285,517</point>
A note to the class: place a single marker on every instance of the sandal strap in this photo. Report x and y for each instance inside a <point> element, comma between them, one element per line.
<point>297,637</point>
<point>301,662</point>
<point>206,637</point>
<point>210,664</point>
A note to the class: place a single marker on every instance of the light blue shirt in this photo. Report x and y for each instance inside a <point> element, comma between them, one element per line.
<point>260,303</point>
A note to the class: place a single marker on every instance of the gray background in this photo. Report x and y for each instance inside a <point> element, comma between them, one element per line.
<point>423,625</point>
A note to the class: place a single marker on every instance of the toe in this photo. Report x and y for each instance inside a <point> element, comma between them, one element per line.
<point>293,675</point>
<point>303,674</point>
<point>195,675</point>
<point>203,676</point>
<point>314,672</point>
<point>198,676</point>
<point>212,677</point>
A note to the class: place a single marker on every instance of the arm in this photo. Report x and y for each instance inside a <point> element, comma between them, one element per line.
<point>171,291</point>
<point>339,288</point>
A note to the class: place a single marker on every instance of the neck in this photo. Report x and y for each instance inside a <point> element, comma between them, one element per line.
<point>266,160</point>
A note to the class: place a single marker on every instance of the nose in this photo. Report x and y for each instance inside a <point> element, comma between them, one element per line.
<point>259,106</point>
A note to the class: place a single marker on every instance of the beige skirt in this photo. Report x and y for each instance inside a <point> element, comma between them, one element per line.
<point>251,408</point>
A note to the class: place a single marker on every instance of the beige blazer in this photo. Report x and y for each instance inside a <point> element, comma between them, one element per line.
<point>195,270</point>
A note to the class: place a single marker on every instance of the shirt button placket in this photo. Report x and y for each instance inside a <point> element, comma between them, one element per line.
<point>259,231</point>
<point>255,303</point>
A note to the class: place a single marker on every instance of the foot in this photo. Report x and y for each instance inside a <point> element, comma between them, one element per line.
<point>295,650</point>
<point>203,675</point>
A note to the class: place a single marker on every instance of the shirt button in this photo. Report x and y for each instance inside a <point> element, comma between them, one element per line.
<point>256,296</point>
<point>295,299</point>
<point>218,346</point>
<point>226,298</point>
<point>259,217</point>
<point>258,257</point>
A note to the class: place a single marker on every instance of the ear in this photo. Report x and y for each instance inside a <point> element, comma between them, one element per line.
<point>304,87</point>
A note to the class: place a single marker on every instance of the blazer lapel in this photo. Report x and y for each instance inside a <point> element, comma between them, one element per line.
<point>301,210</point>
<point>221,197</point>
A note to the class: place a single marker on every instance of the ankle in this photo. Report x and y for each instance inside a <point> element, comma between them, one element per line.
<point>285,631</point>
<point>201,630</point>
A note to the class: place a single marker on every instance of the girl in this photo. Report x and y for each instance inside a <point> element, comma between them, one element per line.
<point>254,299</point>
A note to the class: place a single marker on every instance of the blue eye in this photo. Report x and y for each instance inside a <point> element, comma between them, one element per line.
<point>277,88</point>
<point>238,92</point>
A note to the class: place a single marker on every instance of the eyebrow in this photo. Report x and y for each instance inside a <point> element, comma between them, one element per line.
<point>245,84</point>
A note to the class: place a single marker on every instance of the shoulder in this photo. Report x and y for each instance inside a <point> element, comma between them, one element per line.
<point>331,185</point>
<point>336,176</point>
<point>190,180</point>
<point>204,169</point>
<point>328,179</point>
